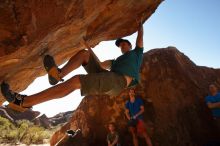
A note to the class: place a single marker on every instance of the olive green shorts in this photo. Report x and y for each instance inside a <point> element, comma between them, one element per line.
<point>99,81</point>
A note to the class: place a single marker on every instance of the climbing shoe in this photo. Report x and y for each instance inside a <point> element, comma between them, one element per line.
<point>52,70</point>
<point>15,100</point>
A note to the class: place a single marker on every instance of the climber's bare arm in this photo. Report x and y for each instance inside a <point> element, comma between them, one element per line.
<point>139,41</point>
<point>127,114</point>
<point>213,105</point>
<point>106,64</point>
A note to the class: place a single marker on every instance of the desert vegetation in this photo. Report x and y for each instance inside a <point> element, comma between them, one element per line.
<point>22,131</point>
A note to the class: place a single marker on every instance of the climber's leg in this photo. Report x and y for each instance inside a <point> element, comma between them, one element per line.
<point>22,102</point>
<point>81,58</point>
<point>55,92</point>
<point>134,135</point>
<point>102,83</point>
<point>55,74</point>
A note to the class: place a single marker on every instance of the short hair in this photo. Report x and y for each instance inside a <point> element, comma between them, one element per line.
<point>132,89</point>
<point>213,84</point>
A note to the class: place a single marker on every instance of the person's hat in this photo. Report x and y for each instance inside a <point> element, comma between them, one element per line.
<point>118,41</point>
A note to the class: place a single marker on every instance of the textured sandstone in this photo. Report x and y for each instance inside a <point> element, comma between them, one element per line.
<point>173,89</point>
<point>30,29</point>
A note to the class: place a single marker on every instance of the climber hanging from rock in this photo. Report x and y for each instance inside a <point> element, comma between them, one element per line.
<point>124,73</point>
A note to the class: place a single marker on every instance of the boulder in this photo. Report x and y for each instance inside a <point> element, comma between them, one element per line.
<point>173,89</point>
<point>60,118</point>
<point>42,121</point>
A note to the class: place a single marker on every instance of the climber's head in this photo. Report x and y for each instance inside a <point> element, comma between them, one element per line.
<point>111,127</point>
<point>131,94</point>
<point>213,89</point>
<point>124,44</point>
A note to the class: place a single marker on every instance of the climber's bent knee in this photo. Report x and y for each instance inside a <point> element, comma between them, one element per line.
<point>103,83</point>
<point>93,65</point>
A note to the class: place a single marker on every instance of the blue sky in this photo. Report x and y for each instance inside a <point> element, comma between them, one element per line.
<point>190,25</point>
<point>193,26</point>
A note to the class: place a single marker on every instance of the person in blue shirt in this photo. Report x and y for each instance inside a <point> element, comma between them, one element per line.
<point>213,103</point>
<point>104,78</point>
<point>134,109</point>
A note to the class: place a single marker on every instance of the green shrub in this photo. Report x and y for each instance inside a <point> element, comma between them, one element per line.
<point>22,131</point>
<point>35,135</point>
<point>12,136</point>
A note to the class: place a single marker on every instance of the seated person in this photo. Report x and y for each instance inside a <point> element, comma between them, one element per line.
<point>112,137</point>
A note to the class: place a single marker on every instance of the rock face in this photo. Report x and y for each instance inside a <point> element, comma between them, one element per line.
<point>61,118</point>
<point>173,89</point>
<point>31,29</point>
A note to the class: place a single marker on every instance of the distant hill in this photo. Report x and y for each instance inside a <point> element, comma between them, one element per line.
<point>35,117</point>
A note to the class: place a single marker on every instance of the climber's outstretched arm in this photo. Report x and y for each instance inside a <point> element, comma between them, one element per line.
<point>139,41</point>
